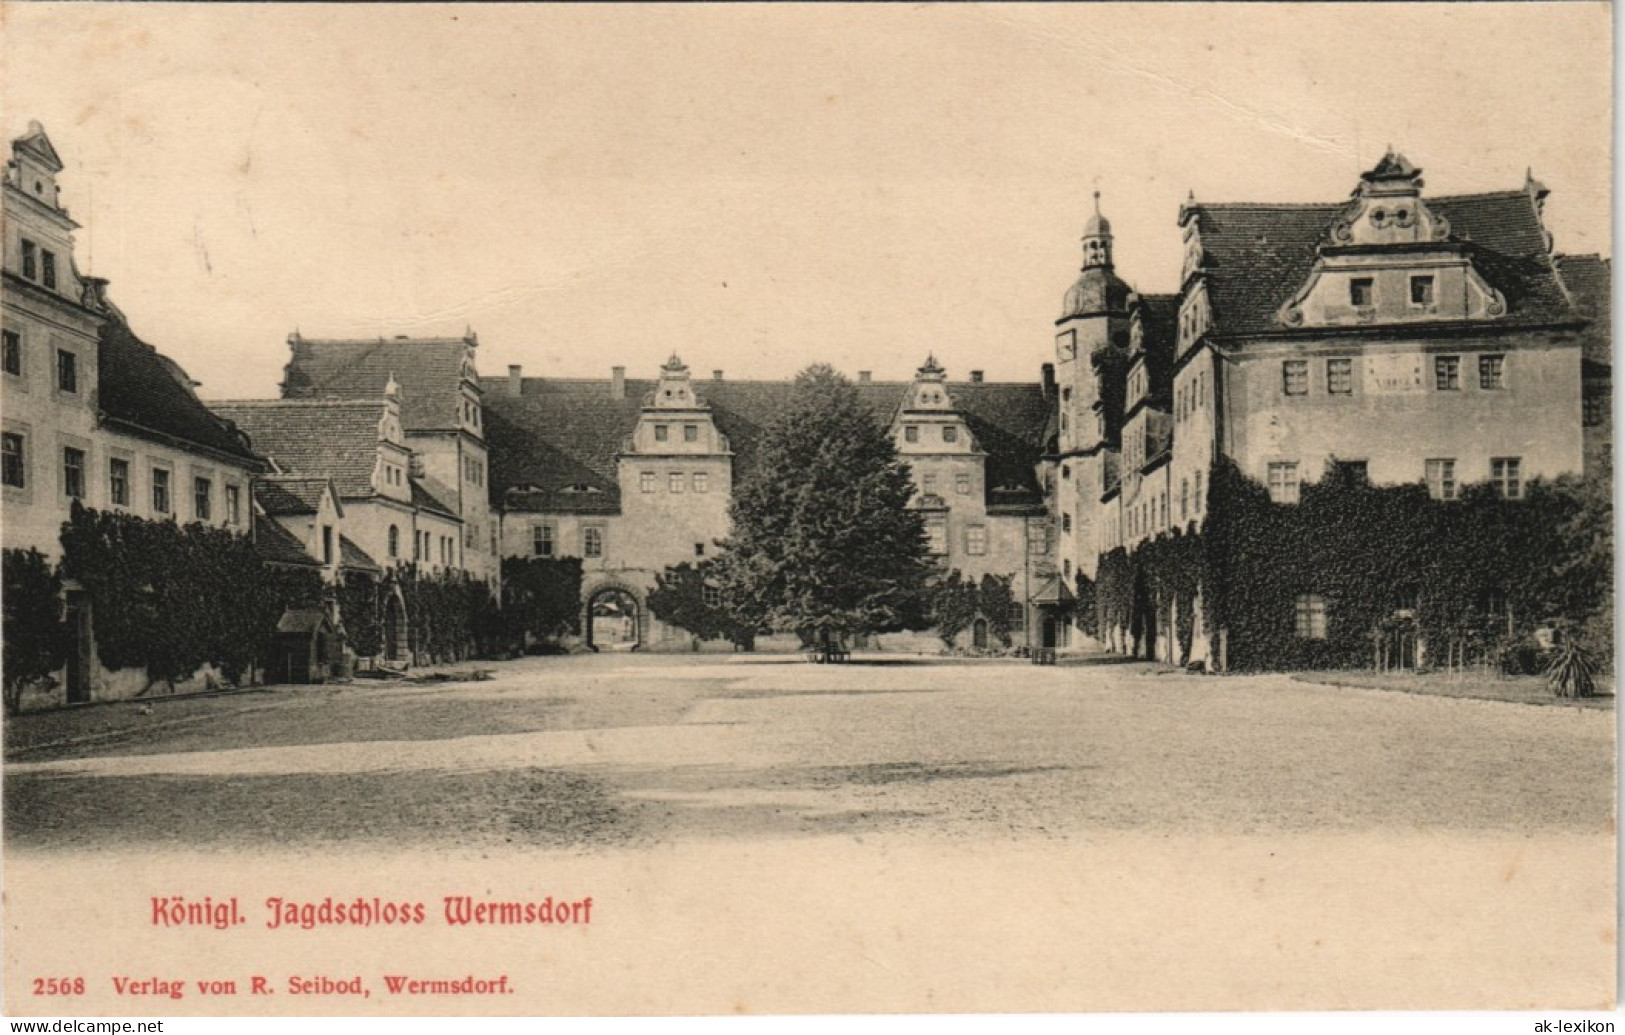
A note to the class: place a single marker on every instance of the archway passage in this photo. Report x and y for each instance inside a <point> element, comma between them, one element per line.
<point>394,628</point>
<point>978,634</point>
<point>613,620</point>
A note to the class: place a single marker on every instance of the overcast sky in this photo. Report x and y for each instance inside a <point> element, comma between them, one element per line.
<point>755,188</point>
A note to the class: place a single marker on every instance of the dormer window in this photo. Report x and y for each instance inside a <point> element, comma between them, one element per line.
<point>1362,292</point>
<point>1422,291</point>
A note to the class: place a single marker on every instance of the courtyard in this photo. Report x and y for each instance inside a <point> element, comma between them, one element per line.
<point>628,750</point>
<point>763,835</point>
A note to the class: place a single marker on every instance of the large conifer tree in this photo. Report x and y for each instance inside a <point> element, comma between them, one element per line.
<point>823,541</point>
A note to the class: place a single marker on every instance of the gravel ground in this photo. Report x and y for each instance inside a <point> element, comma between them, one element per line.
<point>591,752</point>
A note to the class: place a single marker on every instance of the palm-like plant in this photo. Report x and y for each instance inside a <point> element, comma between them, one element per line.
<point>1571,671</point>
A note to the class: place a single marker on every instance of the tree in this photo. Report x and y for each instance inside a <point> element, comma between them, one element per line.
<point>541,597</point>
<point>953,605</point>
<point>36,642</point>
<point>686,596</point>
<point>823,540</point>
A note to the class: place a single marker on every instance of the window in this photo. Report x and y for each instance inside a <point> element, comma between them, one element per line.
<point>1184,499</point>
<point>929,482</point>
<point>1310,616</point>
<point>201,490</point>
<point>936,534</point>
<point>13,352</point>
<point>1506,475</point>
<point>674,481</point>
<point>1596,410</point>
<point>646,481</point>
<point>1362,292</point>
<point>1198,492</point>
<point>1491,372</point>
<point>160,491</point>
<point>1066,524</point>
<point>394,542</point>
<point>976,540</point>
<point>73,472</point>
<point>711,595</point>
<point>327,544</point>
<point>1340,377</point>
<point>1018,615</point>
<point>1066,568</point>
<point>1066,472</point>
<point>1447,373</point>
<point>118,482</point>
<point>661,432</point>
<point>911,433</point>
<point>1441,478</point>
<point>699,549</point>
<point>14,471</point>
<point>1038,539</point>
<point>592,542</point>
<point>445,550</point>
<point>691,432</point>
<point>962,484</point>
<point>702,482</point>
<point>67,371</point>
<point>950,434</point>
<point>30,251</point>
<point>1354,471</point>
<point>1295,377</point>
<point>48,269</point>
<point>1421,291</point>
<point>1066,395</point>
<point>1283,480</point>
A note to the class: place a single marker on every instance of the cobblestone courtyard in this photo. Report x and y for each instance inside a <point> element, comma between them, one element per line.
<point>642,750</point>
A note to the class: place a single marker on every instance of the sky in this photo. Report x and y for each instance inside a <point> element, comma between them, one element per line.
<point>752,187</point>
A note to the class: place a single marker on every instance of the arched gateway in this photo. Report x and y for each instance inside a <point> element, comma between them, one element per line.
<point>612,619</point>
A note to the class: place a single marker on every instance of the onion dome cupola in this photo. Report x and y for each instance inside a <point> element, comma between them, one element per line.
<point>1097,289</point>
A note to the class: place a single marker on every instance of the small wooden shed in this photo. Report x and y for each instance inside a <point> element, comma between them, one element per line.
<point>307,646</point>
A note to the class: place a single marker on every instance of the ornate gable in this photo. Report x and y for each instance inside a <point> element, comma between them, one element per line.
<point>1390,258</point>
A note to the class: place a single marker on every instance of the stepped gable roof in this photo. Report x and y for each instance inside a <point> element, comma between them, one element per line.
<point>1258,255</point>
<point>429,494</point>
<point>277,545</point>
<point>1589,279</point>
<point>354,558</point>
<point>328,438</point>
<point>150,396</point>
<point>428,370</point>
<point>285,496</point>
<point>556,444</point>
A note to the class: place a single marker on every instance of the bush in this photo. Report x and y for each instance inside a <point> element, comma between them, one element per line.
<point>35,636</point>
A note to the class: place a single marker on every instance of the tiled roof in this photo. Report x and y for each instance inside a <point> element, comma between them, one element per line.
<point>284,496</point>
<point>428,370</point>
<point>354,558</point>
<point>557,442</point>
<point>1589,279</point>
<point>146,391</point>
<point>1160,319</point>
<point>1257,256</point>
<point>277,545</point>
<point>433,496</point>
<point>327,438</point>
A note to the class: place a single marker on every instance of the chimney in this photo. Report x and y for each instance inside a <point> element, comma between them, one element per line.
<point>716,375</point>
<point>864,377</point>
<point>617,382</point>
<point>515,381</point>
<point>1049,379</point>
<point>975,377</point>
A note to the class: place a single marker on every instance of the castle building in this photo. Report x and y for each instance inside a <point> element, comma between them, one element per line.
<point>635,476</point>
<point>441,420</point>
<point>92,414</point>
<point>1395,338</point>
